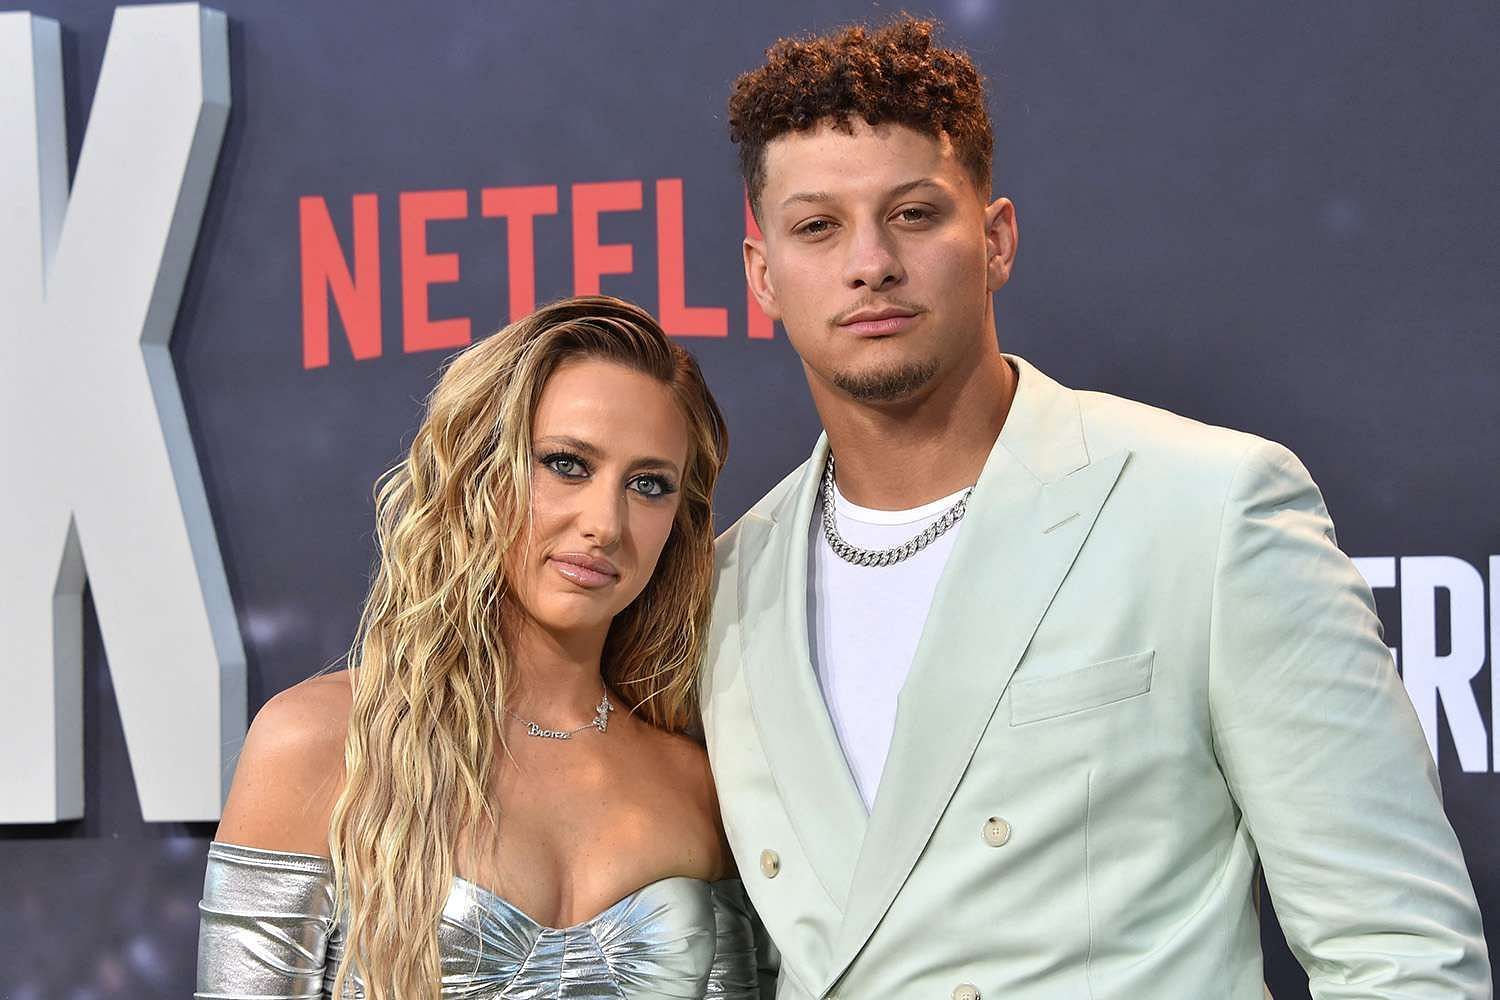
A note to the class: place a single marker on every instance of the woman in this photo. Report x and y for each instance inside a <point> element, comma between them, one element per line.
<point>499,798</point>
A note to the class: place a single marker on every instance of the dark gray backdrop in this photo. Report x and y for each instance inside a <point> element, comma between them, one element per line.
<point>1278,216</point>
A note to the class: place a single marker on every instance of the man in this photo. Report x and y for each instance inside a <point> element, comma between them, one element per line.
<point>1013,687</point>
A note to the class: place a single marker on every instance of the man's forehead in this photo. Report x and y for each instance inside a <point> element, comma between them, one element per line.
<point>824,157</point>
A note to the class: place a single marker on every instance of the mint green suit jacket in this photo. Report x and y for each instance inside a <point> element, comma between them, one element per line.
<point>1147,668</point>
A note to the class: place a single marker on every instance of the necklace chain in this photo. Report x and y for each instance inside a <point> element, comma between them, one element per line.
<point>883,557</point>
<point>601,722</point>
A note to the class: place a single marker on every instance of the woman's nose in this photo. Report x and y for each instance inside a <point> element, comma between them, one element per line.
<point>601,514</point>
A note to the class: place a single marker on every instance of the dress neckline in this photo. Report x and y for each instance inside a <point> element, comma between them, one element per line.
<point>489,895</point>
<point>481,891</point>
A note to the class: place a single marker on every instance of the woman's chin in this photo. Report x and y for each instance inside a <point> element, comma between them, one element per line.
<point>574,614</point>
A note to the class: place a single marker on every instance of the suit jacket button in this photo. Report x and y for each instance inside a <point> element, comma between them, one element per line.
<point>770,863</point>
<point>996,833</point>
<point>965,991</point>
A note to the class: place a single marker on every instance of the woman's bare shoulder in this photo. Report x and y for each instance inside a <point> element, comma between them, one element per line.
<point>694,783</point>
<point>290,771</point>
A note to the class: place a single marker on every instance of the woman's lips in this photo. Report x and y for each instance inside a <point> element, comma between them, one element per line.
<point>583,570</point>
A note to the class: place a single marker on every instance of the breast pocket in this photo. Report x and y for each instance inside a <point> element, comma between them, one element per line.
<point>1093,686</point>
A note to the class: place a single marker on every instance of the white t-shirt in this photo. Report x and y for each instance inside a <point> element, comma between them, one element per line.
<point>865,622</point>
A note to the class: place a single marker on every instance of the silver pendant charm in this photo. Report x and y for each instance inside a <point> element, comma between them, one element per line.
<point>601,722</point>
<point>601,714</point>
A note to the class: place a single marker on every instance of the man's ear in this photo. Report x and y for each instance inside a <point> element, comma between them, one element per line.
<point>1000,236</point>
<point>759,278</point>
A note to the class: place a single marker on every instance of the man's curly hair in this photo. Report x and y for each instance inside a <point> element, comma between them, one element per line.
<point>892,74</point>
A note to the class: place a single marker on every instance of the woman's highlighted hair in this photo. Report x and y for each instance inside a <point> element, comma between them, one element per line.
<point>433,664</point>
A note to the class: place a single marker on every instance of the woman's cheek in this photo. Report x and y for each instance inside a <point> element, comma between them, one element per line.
<point>661,532</point>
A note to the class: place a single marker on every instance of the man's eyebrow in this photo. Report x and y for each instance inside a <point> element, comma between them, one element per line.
<point>819,197</point>
<point>814,197</point>
<point>911,186</point>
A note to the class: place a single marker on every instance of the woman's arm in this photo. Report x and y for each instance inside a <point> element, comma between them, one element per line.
<point>268,906</point>
<point>738,972</point>
<point>263,924</point>
<point>290,771</point>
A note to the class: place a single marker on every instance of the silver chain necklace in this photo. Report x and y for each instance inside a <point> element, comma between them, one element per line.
<point>601,722</point>
<point>884,557</point>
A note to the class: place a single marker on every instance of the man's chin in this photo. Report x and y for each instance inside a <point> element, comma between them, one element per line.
<point>886,384</point>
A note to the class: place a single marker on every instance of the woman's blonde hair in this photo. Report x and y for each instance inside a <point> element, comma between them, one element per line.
<point>434,666</point>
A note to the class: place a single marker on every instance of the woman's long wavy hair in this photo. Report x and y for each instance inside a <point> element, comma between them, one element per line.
<point>434,666</point>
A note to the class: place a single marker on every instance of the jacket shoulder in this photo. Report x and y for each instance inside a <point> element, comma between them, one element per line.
<point>760,514</point>
<point>1179,449</point>
<point>1113,423</point>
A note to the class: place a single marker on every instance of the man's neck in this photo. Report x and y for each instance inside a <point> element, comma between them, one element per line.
<point>900,456</point>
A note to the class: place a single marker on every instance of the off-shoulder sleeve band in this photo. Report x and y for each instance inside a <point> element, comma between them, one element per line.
<point>264,924</point>
<point>733,975</point>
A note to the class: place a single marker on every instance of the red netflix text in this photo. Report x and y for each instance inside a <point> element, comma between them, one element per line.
<point>342,272</point>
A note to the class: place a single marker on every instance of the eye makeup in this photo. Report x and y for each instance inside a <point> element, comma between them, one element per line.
<point>570,465</point>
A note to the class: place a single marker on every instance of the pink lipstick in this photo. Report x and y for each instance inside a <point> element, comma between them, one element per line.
<point>587,571</point>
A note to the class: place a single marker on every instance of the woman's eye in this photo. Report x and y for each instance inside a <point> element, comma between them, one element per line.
<point>651,486</point>
<point>914,215</point>
<point>566,466</point>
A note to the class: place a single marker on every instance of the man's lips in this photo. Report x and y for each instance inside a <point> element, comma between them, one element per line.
<point>877,322</point>
<point>584,570</point>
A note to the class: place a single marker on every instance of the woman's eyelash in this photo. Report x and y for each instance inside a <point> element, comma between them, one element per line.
<point>663,486</point>
<point>551,459</point>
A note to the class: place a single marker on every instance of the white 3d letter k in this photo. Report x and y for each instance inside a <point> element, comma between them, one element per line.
<point>96,463</point>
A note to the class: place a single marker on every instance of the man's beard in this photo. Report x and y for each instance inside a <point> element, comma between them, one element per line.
<point>886,385</point>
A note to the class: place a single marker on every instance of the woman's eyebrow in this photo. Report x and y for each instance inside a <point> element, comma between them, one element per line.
<point>572,443</point>
<point>648,462</point>
<point>587,450</point>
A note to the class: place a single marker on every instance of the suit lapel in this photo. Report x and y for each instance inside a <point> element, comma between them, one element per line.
<point>807,762</point>
<point>1032,508</point>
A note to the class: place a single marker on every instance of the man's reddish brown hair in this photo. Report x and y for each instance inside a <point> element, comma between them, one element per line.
<point>893,74</point>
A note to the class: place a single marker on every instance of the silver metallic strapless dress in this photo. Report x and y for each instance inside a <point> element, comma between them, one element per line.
<point>267,929</point>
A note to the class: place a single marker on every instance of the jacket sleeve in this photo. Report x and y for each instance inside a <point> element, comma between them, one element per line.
<point>264,924</point>
<point>1324,755</point>
<point>741,969</point>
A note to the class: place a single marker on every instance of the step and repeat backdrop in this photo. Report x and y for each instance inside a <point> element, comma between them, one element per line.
<point>237,242</point>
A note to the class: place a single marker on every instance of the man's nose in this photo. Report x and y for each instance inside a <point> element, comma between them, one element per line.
<point>872,261</point>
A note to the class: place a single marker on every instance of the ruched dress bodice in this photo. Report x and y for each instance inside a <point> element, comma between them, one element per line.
<point>268,929</point>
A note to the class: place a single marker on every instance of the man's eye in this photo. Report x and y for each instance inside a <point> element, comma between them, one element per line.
<point>915,215</point>
<point>815,227</point>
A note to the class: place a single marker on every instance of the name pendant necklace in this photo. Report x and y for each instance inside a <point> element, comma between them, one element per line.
<point>601,722</point>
